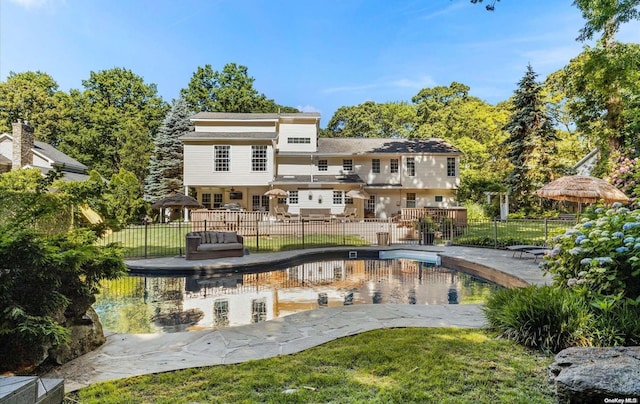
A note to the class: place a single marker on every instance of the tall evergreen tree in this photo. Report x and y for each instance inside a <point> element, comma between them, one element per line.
<point>165,166</point>
<point>531,141</point>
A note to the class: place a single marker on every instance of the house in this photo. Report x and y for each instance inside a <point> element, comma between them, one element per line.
<point>235,157</point>
<point>19,149</point>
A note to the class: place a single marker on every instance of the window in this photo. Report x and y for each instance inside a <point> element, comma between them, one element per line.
<point>394,166</point>
<point>260,203</point>
<point>258,158</point>
<point>221,158</point>
<point>206,200</point>
<point>217,201</point>
<point>293,197</point>
<point>370,206</point>
<point>322,165</point>
<point>299,140</point>
<point>411,200</point>
<point>451,167</point>
<point>411,166</point>
<point>438,198</point>
<point>347,165</point>
<point>258,310</point>
<point>348,201</point>
<point>375,166</point>
<point>337,197</point>
<point>221,313</point>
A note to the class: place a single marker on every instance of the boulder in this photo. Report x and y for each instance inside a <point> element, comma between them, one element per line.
<point>86,335</point>
<point>597,375</point>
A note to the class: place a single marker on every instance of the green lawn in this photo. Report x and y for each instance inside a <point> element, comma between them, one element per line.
<point>512,232</point>
<point>412,365</point>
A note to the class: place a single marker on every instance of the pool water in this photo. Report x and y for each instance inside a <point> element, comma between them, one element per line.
<point>137,304</point>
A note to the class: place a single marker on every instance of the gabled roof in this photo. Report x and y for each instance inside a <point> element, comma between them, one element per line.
<point>57,157</point>
<point>350,146</point>
<point>229,135</point>
<point>251,116</point>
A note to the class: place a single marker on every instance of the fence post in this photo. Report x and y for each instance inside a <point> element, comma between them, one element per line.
<point>180,236</point>
<point>344,237</point>
<point>146,226</point>
<point>495,233</point>
<point>257,234</point>
<point>302,223</point>
<point>546,231</point>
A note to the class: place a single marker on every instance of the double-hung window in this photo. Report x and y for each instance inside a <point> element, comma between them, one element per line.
<point>411,166</point>
<point>258,158</point>
<point>323,165</point>
<point>221,158</point>
<point>337,197</point>
<point>375,166</point>
<point>393,166</point>
<point>451,167</point>
<point>293,197</point>
<point>411,200</point>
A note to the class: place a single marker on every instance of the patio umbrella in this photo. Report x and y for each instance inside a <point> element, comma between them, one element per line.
<point>276,192</point>
<point>582,189</point>
<point>357,194</point>
<point>178,201</point>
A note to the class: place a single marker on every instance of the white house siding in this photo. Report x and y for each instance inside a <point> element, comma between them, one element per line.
<point>236,126</point>
<point>431,173</point>
<point>294,165</point>
<point>199,171</point>
<point>6,148</point>
<point>40,162</point>
<point>297,130</point>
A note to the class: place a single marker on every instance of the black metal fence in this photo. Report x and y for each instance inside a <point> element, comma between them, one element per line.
<point>168,239</point>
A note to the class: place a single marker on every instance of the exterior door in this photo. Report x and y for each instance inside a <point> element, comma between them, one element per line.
<point>370,207</point>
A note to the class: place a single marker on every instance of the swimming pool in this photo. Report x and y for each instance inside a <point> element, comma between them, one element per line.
<point>157,304</point>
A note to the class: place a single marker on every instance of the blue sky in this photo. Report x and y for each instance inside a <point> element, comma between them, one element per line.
<point>314,55</point>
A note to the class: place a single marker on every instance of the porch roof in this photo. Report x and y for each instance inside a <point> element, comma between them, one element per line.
<point>317,179</point>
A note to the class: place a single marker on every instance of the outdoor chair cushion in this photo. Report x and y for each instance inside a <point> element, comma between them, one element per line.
<point>220,247</point>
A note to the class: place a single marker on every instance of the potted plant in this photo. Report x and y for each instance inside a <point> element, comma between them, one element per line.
<point>427,228</point>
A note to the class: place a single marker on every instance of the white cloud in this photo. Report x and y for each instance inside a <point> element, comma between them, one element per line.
<point>348,89</point>
<point>420,83</point>
<point>33,4</point>
<point>307,108</point>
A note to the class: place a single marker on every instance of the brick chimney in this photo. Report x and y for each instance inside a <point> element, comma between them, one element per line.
<point>22,145</point>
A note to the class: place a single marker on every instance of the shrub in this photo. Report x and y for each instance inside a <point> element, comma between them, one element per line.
<point>546,318</point>
<point>602,253</point>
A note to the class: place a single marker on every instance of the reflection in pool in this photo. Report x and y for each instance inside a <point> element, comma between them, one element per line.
<point>168,304</point>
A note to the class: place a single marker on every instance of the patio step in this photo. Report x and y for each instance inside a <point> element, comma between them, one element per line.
<point>30,390</point>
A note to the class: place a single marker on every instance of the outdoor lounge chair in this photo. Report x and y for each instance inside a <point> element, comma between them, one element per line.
<point>283,216</point>
<point>535,250</point>
<point>348,215</point>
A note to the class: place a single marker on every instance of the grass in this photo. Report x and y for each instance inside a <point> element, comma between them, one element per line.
<point>383,366</point>
<point>509,232</point>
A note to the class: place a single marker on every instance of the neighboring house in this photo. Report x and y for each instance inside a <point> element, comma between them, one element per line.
<point>19,150</point>
<point>233,157</point>
<point>586,164</point>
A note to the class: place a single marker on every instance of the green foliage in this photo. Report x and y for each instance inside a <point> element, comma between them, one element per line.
<point>123,199</point>
<point>625,175</point>
<point>166,164</point>
<point>229,90</point>
<point>386,120</point>
<point>114,121</point>
<point>546,318</point>
<point>44,279</point>
<point>530,144</point>
<point>605,16</point>
<point>34,97</point>
<point>601,254</point>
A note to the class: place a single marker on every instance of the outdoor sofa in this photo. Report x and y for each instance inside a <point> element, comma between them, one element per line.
<point>213,244</point>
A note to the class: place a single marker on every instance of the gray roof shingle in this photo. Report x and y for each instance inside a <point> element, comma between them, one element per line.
<point>253,116</point>
<point>385,145</point>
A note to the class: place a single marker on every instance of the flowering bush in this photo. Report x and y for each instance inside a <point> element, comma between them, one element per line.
<point>625,175</point>
<point>600,255</point>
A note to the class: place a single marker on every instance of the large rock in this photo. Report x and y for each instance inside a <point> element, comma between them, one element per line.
<point>597,375</point>
<point>86,335</point>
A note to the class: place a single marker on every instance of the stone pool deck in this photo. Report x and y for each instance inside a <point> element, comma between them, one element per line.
<point>125,355</point>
